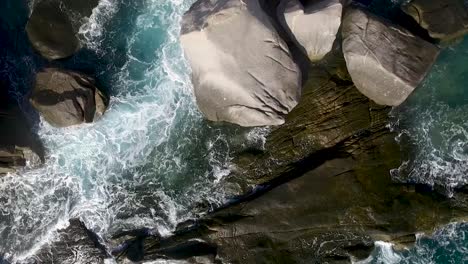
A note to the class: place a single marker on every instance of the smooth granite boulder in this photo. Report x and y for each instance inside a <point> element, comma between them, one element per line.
<point>242,71</point>
<point>313,27</point>
<point>66,98</point>
<point>54,24</point>
<point>73,244</point>
<point>443,19</point>
<point>385,61</point>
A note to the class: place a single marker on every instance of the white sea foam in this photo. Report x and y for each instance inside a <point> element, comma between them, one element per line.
<point>91,32</point>
<point>384,255</point>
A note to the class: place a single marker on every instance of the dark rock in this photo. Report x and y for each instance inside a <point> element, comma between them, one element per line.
<point>325,193</point>
<point>74,244</point>
<point>66,98</point>
<point>18,144</point>
<point>54,24</point>
<point>445,20</point>
<point>386,62</point>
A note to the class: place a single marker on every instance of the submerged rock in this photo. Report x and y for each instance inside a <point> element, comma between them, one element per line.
<point>66,98</point>
<point>74,244</point>
<point>242,71</point>
<point>54,24</point>
<point>385,61</point>
<point>313,27</point>
<point>444,20</point>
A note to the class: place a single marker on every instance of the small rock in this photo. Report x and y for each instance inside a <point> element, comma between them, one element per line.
<point>66,98</point>
<point>385,61</point>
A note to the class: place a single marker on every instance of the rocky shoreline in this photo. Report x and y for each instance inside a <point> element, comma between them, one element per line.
<point>320,191</point>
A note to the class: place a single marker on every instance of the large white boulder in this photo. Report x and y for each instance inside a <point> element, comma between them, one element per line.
<point>385,61</point>
<point>242,71</point>
<point>313,27</point>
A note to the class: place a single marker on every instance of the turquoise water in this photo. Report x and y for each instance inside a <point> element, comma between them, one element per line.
<point>152,160</point>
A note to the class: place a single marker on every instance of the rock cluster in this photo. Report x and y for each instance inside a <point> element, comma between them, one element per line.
<point>320,191</point>
<point>244,73</point>
<point>63,97</point>
<point>323,192</point>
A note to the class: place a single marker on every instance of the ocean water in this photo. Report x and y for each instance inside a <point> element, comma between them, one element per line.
<point>153,161</point>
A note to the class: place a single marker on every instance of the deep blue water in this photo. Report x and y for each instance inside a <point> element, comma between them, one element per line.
<point>152,159</point>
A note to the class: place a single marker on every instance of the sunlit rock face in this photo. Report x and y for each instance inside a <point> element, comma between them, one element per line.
<point>242,71</point>
<point>386,62</point>
<point>313,27</point>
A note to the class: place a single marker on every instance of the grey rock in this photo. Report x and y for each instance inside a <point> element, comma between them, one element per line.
<point>73,244</point>
<point>53,26</point>
<point>444,20</point>
<point>66,98</point>
<point>385,61</point>
<point>313,27</point>
<point>242,71</point>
